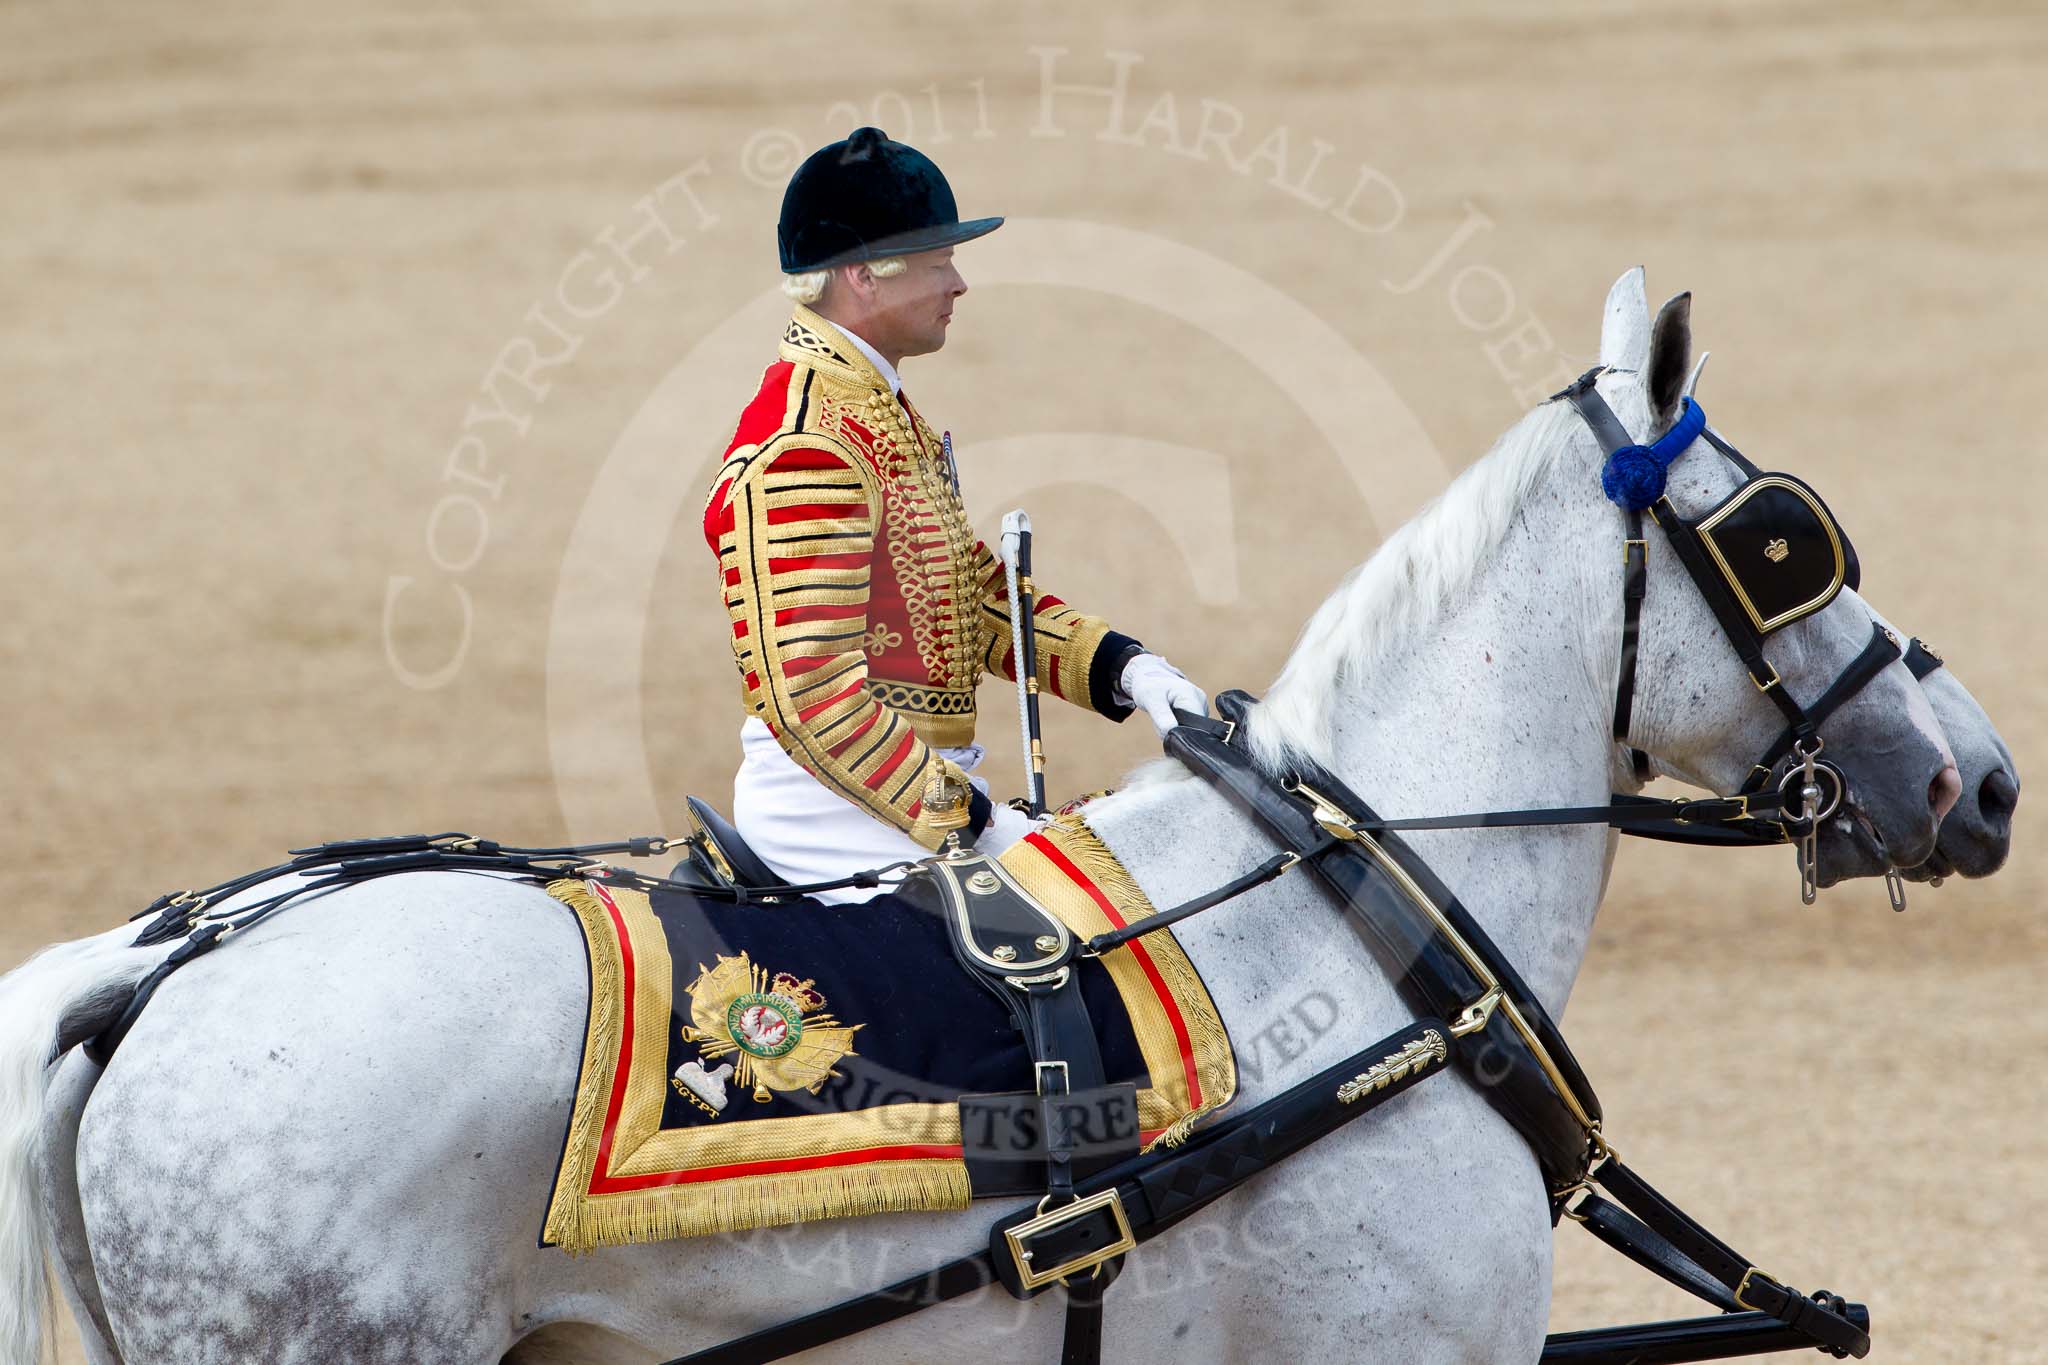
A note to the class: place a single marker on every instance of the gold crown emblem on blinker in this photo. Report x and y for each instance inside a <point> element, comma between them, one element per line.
<point>1777,551</point>
<point>803,994</point>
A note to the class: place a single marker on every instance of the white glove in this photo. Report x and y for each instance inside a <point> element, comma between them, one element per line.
<point>1006,824</point>
<point>1155,687</point>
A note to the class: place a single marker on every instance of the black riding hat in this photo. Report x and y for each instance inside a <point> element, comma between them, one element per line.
<point>865,198</point>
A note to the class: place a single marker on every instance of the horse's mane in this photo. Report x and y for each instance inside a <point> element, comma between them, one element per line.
<point>1419,571</point>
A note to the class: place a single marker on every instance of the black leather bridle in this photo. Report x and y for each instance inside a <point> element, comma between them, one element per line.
<point>1474,1011</point>
<point>1778,518</point>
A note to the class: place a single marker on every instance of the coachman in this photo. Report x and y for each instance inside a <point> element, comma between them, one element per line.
<point>864,609</point>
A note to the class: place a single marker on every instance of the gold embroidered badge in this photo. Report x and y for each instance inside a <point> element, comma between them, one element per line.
<point>767,1033</point>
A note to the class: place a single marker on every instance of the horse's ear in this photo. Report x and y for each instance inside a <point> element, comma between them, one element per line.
<point>1625,328</point>
<point>1670,355</point>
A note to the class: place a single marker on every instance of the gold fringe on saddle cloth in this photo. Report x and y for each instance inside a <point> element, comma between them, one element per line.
<point>624,1179</point>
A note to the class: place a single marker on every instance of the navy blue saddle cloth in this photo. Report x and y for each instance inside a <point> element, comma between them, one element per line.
<point>922,1030</point>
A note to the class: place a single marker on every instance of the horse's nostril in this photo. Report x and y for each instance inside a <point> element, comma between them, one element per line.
<point>1997,797</point>
<point>1944,791</point>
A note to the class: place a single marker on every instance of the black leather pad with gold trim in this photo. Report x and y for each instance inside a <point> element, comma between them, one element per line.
<point>1001,928</point>
<point>1780,550</point>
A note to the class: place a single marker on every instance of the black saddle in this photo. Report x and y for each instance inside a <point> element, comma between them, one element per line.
<point>718,857</point>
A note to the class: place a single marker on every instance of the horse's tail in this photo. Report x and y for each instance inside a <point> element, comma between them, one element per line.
<point>58,998</point>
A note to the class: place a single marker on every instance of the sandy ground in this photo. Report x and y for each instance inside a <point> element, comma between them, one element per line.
<point>321,326</point>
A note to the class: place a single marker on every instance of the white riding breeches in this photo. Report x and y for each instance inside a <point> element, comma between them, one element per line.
<point>806,832</point>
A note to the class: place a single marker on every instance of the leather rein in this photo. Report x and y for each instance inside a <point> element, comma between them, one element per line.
<point>1446,968</point>
<point>1797,798</point>
<point>1474,1012</point>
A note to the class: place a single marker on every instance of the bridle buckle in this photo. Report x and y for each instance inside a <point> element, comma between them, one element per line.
<point>1742,1288</point>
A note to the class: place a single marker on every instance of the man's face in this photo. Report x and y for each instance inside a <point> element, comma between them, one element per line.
<point>912,310</point>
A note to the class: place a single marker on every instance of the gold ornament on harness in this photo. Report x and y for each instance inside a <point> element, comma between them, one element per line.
<point>1383,1073</point>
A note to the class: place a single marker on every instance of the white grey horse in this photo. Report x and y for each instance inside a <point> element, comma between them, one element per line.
<point>1976,834</point>
<point>331,1140</point>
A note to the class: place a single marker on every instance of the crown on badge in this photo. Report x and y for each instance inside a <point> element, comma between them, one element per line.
<point>803,994</point>
<point>1777,551</point>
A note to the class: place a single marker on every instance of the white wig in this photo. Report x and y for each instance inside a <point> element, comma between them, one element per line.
<point>808,286</point>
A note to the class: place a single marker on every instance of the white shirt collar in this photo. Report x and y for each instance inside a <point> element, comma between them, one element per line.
<point>883,367</point>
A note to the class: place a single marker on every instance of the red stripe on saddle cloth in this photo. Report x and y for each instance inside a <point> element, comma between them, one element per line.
<point>602,1182</point>
<point>1137,949</point>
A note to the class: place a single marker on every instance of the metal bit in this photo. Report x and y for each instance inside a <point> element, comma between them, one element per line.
<point>1809,842</point>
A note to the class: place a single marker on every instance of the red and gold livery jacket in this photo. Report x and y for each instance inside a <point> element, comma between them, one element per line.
<point>864,610</point>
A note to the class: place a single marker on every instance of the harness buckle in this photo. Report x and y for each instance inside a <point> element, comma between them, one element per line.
<point>1081,1236</point>
<point>1743,1287</point>
<point>1477,1015</point>
<point>1775,679</point>
<point>1043,1070</point>
<point>1740,800</point>
<point>1330,817</point>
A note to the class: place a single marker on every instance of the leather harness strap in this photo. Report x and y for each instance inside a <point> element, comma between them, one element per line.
<point>1748,819</point>
<point>1748,1286</point>
<point>1439,958</point>
<point>1879,654</point>
<point>1547,1101</point>
<point>1635,585</point>
<point>1078,1235</point>
<point>1154,1192</point>
<point>1734,624</point>
<point>1744,628</point>
<point>1635,559</point>
<point>1747,642</point>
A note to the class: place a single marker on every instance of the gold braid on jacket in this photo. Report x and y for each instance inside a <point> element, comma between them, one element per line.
<point>864,610</point>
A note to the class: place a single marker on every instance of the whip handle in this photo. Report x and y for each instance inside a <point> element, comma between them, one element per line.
<point>1024,651</point>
